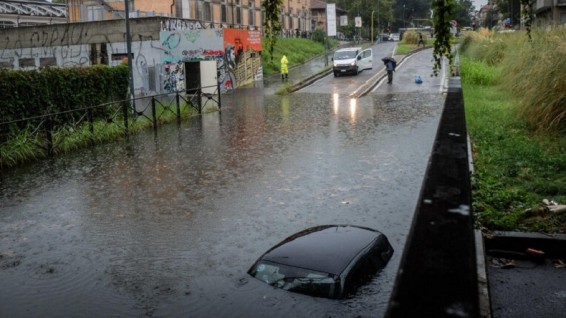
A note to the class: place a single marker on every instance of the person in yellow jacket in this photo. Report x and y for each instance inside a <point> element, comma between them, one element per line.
<point>284,69</point>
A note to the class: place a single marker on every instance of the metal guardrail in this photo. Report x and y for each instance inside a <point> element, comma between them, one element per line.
<point>438,272</point>
<point>46,131</point>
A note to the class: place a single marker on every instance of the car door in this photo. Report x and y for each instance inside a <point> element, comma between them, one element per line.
<point>367,59</point>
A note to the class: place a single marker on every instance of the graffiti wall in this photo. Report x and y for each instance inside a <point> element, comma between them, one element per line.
<point>159,51</point>
<point>236,53</point>
<point>37,57</point>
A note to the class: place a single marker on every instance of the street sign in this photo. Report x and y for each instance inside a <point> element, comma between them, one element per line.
<point>343,20</point>
<point>331,19</point>
<point>358,21</point>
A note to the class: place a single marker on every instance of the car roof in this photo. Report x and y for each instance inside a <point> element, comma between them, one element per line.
<point>349,49</point>
<point>327,248</point>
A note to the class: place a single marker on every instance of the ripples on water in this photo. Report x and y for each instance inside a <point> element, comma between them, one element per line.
<point>168,224</point>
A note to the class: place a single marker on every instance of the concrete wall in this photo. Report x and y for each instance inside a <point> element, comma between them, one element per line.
<point>159,48</point>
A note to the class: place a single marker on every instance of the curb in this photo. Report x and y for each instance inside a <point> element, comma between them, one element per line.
<point>516,244</point>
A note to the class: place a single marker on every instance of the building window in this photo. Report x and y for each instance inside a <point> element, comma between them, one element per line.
<point>238,15</point>
<point>7,24</point>
<point>251,17</point>
<point>223,13</point>
<point>27,62</point>
<point>207,11</point>
<point>94,13</point>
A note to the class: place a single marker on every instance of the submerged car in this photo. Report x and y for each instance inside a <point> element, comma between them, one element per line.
<point>330,261</point>
<point>351,60</point>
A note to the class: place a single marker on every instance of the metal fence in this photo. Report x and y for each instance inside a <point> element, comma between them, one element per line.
<point>54,132</point>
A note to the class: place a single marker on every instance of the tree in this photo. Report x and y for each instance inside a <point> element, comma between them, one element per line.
<point>272,24</point>
<point>509,9</point>
<point>463,11</point>
<point>443,13</point>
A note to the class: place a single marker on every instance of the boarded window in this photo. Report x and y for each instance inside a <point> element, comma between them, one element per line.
<point>47,61</point>
<point>27,62</point>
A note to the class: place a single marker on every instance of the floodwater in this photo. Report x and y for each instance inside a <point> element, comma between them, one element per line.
<point>167,223</point>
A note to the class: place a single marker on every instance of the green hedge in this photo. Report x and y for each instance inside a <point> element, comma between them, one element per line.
<point>26,94</point>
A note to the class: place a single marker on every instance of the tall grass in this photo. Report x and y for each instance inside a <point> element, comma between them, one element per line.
<point>24,146</point>
<point>536,71</point>
<point>474,72</point>
<point>533,71</point>
<point>515,168</point>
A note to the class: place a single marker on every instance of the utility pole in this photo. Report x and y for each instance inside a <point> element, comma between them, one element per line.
<point>130,57</point>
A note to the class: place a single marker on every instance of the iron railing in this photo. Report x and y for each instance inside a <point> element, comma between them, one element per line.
<point>90,124</point>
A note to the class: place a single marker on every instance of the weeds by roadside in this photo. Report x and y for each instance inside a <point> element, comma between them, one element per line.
<point>516,165</point>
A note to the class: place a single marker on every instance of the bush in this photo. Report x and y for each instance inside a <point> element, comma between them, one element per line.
<point>26,94</point>
<point>318,36</point>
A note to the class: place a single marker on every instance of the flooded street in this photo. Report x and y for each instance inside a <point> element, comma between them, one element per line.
<point>167,223</point>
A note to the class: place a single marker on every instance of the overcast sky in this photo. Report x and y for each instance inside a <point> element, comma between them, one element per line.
<point>478,4</point>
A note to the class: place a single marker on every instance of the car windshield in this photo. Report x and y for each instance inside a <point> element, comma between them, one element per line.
<point>345,55</point>
<point>297,280</point>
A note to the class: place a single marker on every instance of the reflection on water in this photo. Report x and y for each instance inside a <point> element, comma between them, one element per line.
<point>167,224</point>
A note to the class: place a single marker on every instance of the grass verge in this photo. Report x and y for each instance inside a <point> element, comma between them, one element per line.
<point>27,145</point>
<point>297,50</point>
<point>515,168</point>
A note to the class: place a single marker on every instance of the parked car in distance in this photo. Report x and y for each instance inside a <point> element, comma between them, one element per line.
<point>383,38</point>
<point>330,261</point>
<point>395,36</point>
<point>351,60</point>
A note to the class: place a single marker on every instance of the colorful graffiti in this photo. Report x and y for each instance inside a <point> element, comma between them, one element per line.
<point>226,46</point>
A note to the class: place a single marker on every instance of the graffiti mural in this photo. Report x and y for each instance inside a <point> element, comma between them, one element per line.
<point>240,60</point>
<point>159,50</point>
<point>186,45</point>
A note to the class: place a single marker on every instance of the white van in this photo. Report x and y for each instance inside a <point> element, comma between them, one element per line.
<point>351,60</point>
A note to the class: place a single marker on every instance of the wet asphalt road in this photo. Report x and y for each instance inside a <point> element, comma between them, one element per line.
<point>167,224</point>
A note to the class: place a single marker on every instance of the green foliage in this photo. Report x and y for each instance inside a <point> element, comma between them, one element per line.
<point>19,147</point>
<point>473,72</point>
<point>272,24</point>
<point>535,71</point>
<point>383,11</point>
<point>26,145</point>
<point>463,11</point>
<point>319,36</point>
<point>528,15</point>
<point>297,51</point>
<point>516,168</point>
<point>443,10</point>
<point>27,94</point>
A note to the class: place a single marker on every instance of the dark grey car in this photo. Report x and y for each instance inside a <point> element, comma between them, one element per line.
<point>329,261</point>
